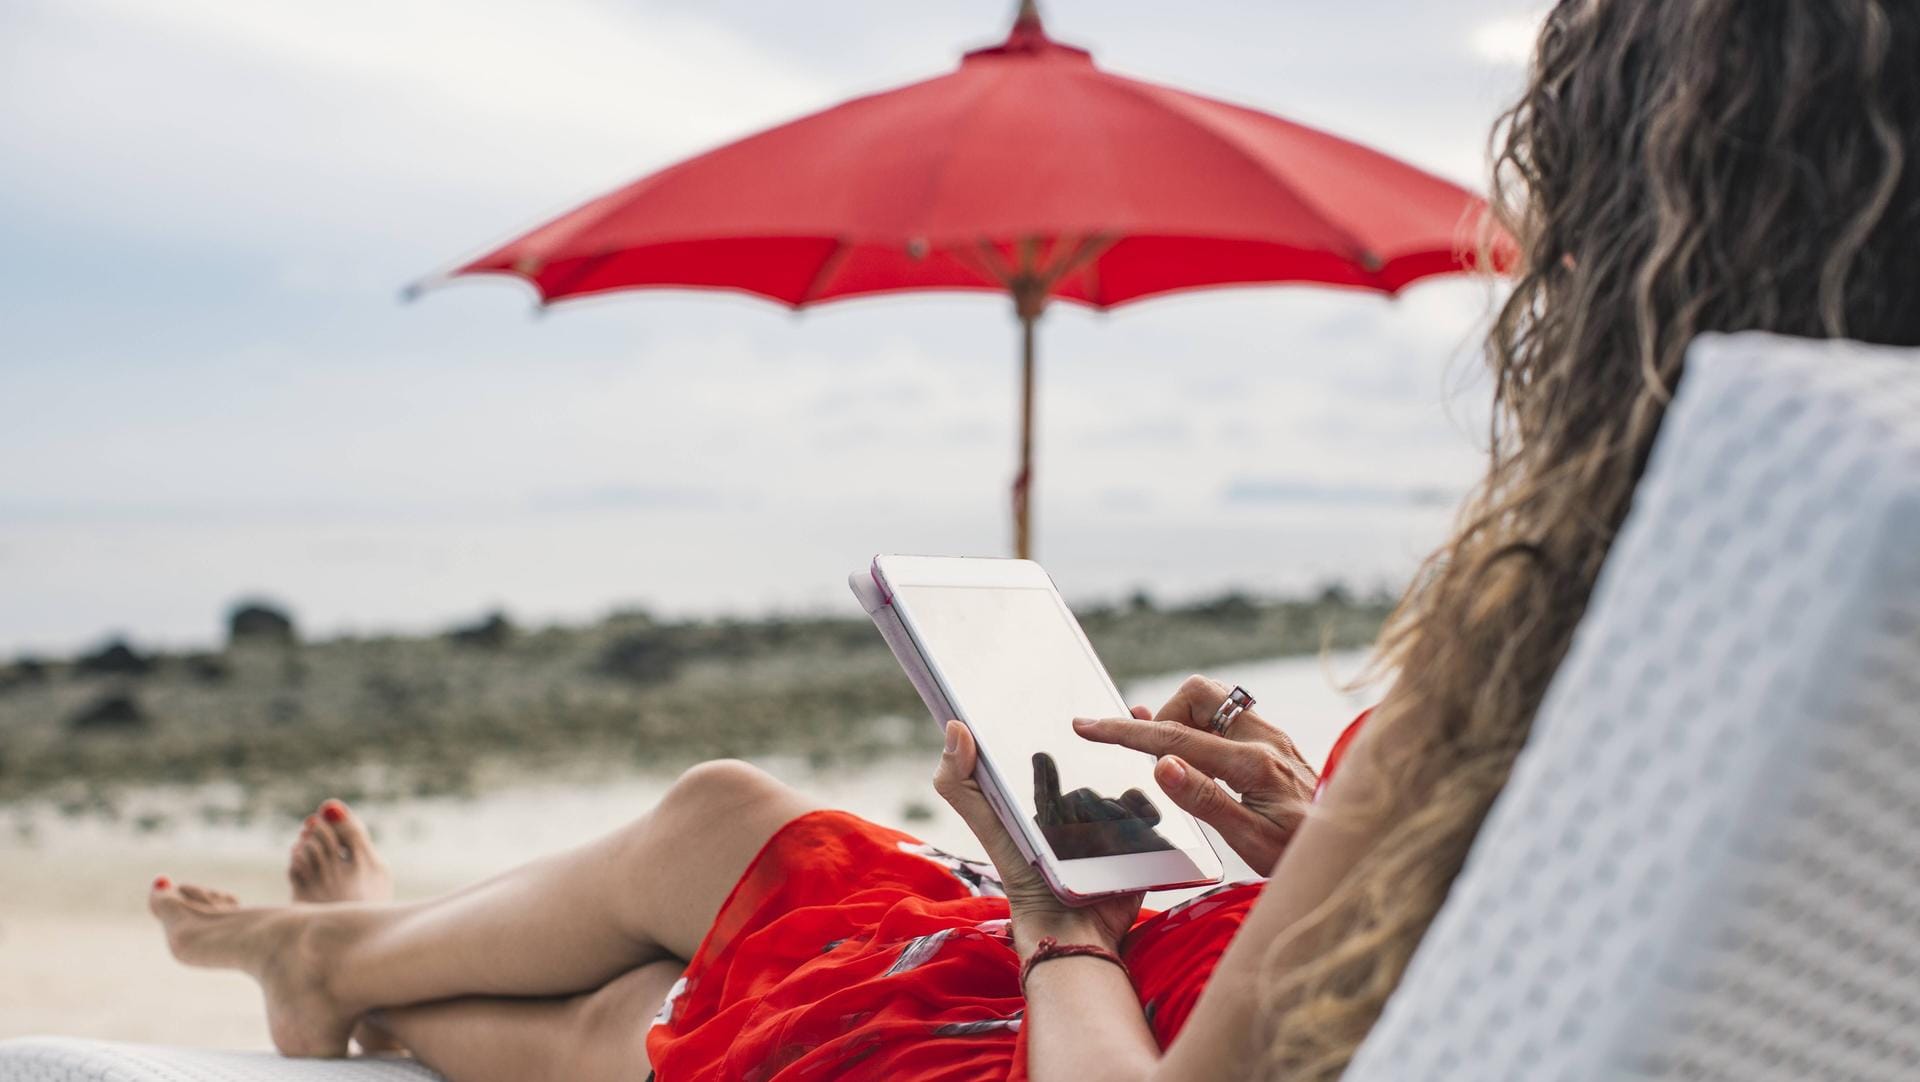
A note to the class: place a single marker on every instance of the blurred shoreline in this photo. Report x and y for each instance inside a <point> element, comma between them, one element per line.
<point>270,724</point>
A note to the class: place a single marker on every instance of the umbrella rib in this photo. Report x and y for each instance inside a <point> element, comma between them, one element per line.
<point>983,258</point>
<point>825,272</point>
<point>1087,250</point>
<point>594,213</point>
<point>990,265</point>
<point>580,274</point>
<point>1094,284</point>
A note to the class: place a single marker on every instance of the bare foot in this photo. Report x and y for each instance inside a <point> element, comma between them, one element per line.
<point>334,860</point>
<point>283,948</point>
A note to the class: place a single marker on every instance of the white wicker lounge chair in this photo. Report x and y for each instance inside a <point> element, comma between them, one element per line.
<point>1707,865</point>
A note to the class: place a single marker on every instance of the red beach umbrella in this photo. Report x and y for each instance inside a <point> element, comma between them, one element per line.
<point>1029,170</point>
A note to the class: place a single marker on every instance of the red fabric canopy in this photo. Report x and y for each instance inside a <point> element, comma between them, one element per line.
<point>1028,163</point>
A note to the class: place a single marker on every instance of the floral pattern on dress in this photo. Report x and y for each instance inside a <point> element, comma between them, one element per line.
<point>981,879</point>
<point>674,993</point>
<point>1202,904</point>
<point>918,952</point>
<point>1009,1024</point>
<point>1000,929</point>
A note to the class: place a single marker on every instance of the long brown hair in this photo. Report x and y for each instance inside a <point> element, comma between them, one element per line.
<point>1673,167</point>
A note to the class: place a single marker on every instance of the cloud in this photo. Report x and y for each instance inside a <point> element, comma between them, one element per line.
<point>1506,40</point>
<point>308,119</point>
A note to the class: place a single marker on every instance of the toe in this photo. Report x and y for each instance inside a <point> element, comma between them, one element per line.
<point>206,899</point>
<point>302,876</point>
<point>304,865</point>
<point>348,829</point>
<point>165,903</point>
<point>160,895</point>
<point>328,834</point>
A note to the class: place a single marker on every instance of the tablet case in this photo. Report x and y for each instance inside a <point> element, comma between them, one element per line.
<point>880,608</point>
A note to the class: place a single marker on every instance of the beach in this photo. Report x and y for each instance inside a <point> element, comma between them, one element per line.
<point>79,956</point>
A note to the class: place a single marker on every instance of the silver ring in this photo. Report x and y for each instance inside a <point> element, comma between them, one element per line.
<point>1237,702</point>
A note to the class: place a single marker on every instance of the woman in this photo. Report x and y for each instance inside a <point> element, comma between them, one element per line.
<point>1675,166</point>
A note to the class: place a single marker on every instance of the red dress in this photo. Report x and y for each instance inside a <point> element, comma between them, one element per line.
<point>851,951</point>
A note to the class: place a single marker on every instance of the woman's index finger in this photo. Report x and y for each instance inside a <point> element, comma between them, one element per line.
<point>1239,765</point>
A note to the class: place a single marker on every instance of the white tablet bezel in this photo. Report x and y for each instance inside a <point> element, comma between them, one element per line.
<point>1087,878</point>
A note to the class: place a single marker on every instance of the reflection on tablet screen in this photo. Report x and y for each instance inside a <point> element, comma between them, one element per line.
<point>1083,823</point>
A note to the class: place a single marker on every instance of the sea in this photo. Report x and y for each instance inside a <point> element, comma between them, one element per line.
<point>168,581</point>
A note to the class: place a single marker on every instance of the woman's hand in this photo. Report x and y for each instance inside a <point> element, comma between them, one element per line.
<point>1035,910</point>
<point>1259,761</point>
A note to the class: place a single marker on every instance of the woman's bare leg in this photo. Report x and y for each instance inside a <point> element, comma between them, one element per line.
<point>600,1036</point>
<point>557,927</point>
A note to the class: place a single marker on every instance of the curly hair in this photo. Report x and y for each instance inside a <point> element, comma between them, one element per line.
<point>1673,167</point>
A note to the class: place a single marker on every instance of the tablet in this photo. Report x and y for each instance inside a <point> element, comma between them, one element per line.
<point>990,642</point>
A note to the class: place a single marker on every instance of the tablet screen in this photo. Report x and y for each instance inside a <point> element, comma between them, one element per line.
<point>1018,673</point>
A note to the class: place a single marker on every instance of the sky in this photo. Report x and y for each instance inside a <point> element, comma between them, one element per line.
<point>210,388</point>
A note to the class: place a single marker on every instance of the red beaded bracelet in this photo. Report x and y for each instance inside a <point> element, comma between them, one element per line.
<point>1050,948</point>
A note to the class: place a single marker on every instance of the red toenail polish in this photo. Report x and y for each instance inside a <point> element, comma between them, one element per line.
<point>161,882</point>
<point>334,813</point>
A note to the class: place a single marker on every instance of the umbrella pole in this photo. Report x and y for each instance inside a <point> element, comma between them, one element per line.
<point>1023,481</point>
<point>1030,282</point>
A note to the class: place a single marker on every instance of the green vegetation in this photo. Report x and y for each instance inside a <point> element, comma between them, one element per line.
<point>284,722</point>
